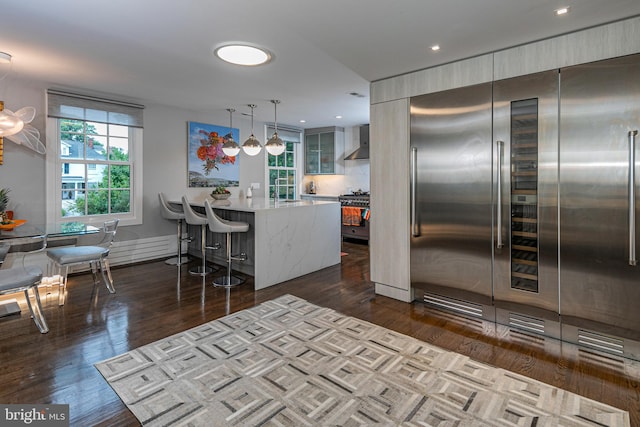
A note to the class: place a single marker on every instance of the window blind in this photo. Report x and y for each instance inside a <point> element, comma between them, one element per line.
<point>64,105</point>
<point>285,133</point>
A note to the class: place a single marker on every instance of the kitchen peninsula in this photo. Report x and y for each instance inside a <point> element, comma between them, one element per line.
<point>286,239</point>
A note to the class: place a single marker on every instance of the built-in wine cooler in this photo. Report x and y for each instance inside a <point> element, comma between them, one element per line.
<point>524,192</point>
<point>526,247</point>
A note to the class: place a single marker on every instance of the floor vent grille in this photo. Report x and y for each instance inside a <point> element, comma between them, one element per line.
<point>600,342</point>
<point>458,306</point>
<point>527,323</point>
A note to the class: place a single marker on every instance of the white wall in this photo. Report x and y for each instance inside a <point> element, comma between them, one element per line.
<point>164,165</point>
<point>356,172</point>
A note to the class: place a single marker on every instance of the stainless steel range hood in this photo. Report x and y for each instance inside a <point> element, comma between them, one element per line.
<point>361,152</point>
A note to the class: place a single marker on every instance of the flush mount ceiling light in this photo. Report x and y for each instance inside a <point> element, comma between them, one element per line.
<point>243,54</point>
<point>230,147</point>
<point>251,146</point>
<point>275,146</point>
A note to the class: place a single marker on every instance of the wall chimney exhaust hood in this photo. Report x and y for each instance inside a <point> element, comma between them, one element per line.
<point>361,152</point>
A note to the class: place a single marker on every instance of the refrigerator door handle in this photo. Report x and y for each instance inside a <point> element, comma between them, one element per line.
<point>632,198</point>
<point>415,231</point>
<point>499,148</point>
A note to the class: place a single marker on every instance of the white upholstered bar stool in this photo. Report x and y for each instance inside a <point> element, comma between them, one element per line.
<point>96,255</point>
<point>194,218</point>
<point>219,225</point>
<point>175,213</point>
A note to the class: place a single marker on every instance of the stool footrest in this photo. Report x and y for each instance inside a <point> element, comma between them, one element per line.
<point>239,257</point>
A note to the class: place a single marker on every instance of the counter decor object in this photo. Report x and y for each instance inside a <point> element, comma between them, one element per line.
<point>220,193</point>
<point>11,224</point>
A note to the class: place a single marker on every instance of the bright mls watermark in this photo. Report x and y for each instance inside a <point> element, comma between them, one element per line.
<point>53,415</point>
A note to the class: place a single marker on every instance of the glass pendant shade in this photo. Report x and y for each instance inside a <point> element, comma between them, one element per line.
<point>275,146</point>
<point>230,146</point>
<point>251,146</point>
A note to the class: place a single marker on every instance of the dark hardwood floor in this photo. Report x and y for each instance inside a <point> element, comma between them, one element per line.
<point>155,300</point>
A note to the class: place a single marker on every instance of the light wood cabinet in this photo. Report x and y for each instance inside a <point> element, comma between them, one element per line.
<point>389,224</point>
<point>324,151</point>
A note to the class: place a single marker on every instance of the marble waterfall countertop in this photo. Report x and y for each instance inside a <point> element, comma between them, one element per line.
<point>254,204</point>
<point>285,239</point>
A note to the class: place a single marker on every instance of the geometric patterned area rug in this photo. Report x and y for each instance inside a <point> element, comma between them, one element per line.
<point>288,362</point>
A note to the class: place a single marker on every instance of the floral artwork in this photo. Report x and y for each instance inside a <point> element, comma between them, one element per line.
<point>208,165</point>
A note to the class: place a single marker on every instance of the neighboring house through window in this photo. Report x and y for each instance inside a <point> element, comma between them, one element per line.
<point>98,160</point>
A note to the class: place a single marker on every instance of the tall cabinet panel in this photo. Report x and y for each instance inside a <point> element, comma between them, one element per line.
<point>451,188</point>
<point>525,114</point>
<point>599,275</point>
<point>389,239</point>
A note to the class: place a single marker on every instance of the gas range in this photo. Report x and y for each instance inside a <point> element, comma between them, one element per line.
<point>359,199</point>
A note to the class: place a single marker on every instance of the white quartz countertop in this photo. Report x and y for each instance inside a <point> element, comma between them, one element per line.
<point>254,204</point>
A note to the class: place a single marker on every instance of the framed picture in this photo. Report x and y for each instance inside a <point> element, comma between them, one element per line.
<point>207,165</point>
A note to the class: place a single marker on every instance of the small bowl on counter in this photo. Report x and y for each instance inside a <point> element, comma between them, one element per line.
<point>221,196</point>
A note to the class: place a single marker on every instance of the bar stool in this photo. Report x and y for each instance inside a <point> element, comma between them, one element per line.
<point>194,218</point>
<point>219,225</point>
<point>174,213</point>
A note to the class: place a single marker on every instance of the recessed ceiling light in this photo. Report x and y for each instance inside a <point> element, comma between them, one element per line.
<point>303,121</point>
<point>435,48</point>
<point>243,54</point>
<point>562,11</point>
<point>338,117</point>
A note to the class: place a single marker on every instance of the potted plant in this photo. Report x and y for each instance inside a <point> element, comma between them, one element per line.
<point>4,201</point>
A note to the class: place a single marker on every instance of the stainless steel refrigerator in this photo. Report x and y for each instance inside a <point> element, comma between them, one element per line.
<point>451,202</point>
<point>524,202</point>
<point>599,187</point>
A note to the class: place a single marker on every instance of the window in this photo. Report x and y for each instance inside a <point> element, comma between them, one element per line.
<point>282,169</point>
<point>96,165</point>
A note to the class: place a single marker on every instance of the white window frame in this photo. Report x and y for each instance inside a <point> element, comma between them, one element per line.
<point>297,153</point>
<point>54,179</point>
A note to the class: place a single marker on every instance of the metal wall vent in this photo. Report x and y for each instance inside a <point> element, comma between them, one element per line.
<point>600,342</point>
<point>458,306</point>
<point>527,323</point>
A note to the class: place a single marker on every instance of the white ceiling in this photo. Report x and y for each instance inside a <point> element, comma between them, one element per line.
<point>160,51</point>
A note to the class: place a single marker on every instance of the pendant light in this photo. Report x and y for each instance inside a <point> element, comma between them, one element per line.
<point>275,146</point>
<point>251,146</point>
<point>230,147</point>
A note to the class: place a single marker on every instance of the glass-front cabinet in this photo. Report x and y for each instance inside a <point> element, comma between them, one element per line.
<point>324,151</point>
